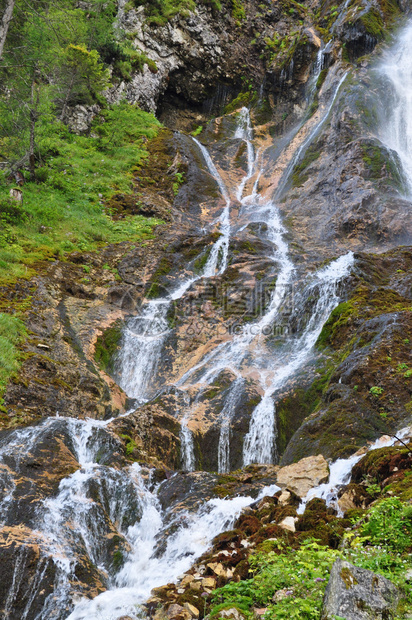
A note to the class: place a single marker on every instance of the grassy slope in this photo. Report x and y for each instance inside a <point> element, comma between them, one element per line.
<point>64,210</point>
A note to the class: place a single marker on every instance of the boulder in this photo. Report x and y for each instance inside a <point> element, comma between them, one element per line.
<point>194,612</point>
<point>357,594</point>
<point>302,476</point>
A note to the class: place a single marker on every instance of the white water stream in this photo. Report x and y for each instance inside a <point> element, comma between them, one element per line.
<point>396,131</point>
<point>340,472</point>
<point>96,501</point>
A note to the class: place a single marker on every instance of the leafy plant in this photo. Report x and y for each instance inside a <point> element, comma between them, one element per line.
<point>390,523</point>
<point>197,131</point>
<point>376,391</point>
<point>303,574</point>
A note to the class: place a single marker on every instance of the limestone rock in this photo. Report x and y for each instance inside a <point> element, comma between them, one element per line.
<point>302,476</point>
<point>358,594</point>
<point>345,502</point>
<point>194,612</point>
<point>209,582</point>
<point>288,523</point>
<point>284,497</point>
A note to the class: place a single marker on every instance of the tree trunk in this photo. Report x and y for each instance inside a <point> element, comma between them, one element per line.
<point>32,163</point>
<point>34,102</point>
<point>4,26</point>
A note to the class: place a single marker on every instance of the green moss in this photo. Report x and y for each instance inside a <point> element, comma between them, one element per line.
<point>295,407</point>
<point>373,23</point>
<point>379,162</point>
<point>155,286</point>
<point>201,261</point>
<point>242,100</point>
<point>238,10</point>
<point>130,444</point>
<point>321,78</point>
<point>161,11</point>
<point>299,176</point>
<point>107,346</point>
<point>118,559</point>
<point>338,317</point>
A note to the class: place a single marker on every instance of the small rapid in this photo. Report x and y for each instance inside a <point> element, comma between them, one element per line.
<point>98,502</point>
<point>340,473</point>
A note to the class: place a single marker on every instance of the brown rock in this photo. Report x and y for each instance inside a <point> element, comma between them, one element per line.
<point>195,585</point>
<point>194,612</point>
<point>346,501</point>
<point>178,612</point>
<point>302,476</point>
<point>187,579</point>
<point>209,582</point>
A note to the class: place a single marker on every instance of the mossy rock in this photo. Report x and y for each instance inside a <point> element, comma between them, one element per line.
<point>300,175</point>
<point>248,524</point>
<point>107,346</point>
<point>380,463</point>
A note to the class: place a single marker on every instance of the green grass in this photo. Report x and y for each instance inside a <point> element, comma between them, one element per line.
<point>12,333</point>
<point>64,211</point>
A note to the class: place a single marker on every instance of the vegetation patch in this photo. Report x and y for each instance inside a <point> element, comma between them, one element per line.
<point>288,578</point>
<point>12,334</point>
<point>243,99</point>
<point>373,23</point>
<point>299,176</point>
<point>107,346</point>
<point>64,208</point>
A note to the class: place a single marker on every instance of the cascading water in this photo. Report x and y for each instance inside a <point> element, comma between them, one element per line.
<point>260,441</point>
<point>396,132</point>
<point>246,352</point>
<point>98,501</point>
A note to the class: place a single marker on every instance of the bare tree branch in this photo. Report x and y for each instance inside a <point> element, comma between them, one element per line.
<point>7,16</point>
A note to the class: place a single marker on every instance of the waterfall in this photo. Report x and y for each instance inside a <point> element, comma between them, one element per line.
<point>142,346</point>
<point>100,501</point>
<point>396,130</point>
<point>186,437</point>
<point>260,441</point>
<point>93,503</point>
<point>225,417</point>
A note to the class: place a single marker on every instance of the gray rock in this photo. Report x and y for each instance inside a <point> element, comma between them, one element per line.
<point>357,594</point>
